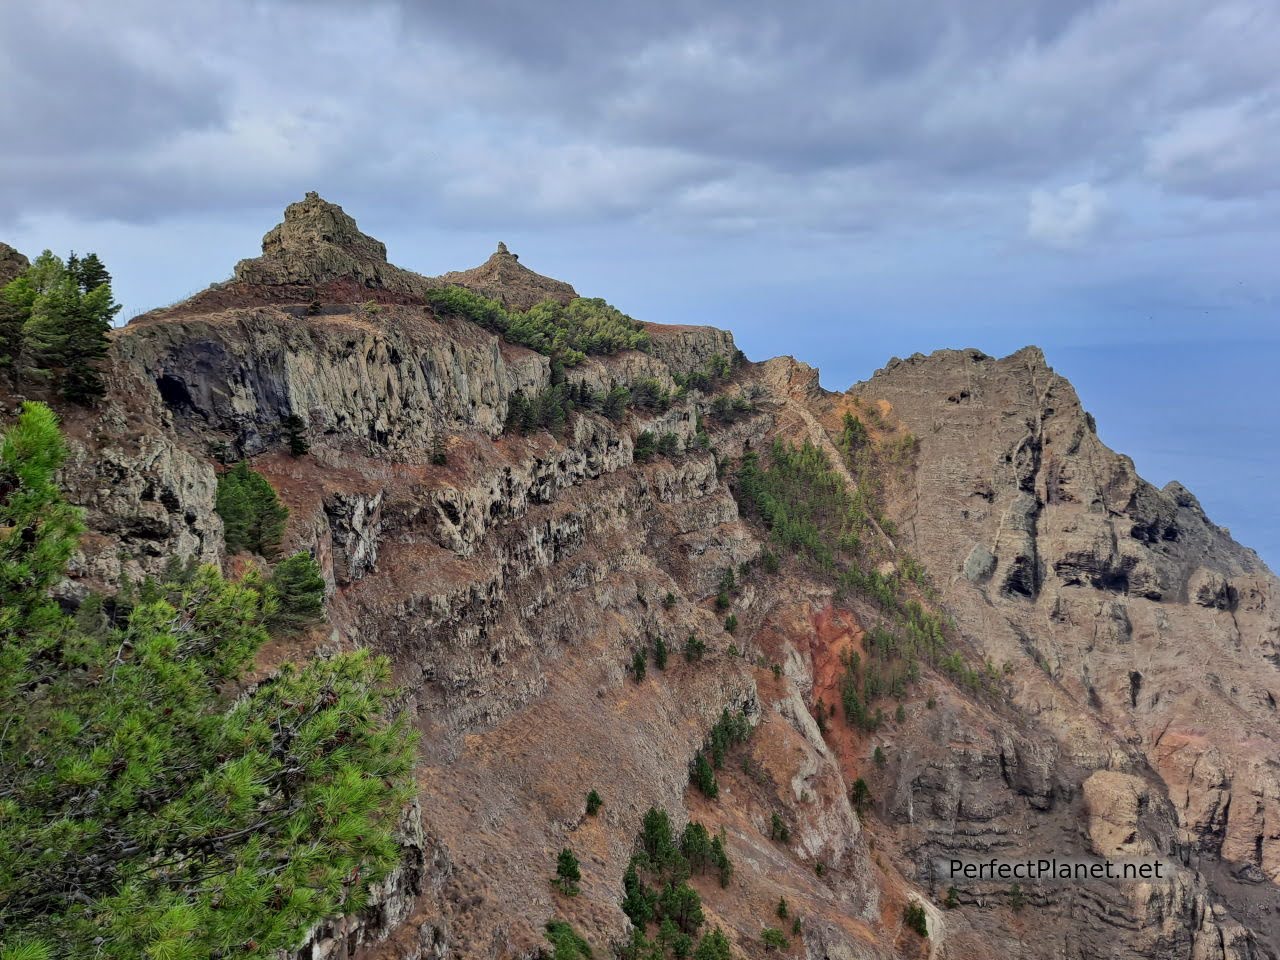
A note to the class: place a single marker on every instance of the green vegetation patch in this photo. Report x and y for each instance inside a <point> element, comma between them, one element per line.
<point>298,590</point>
<point>566,943</point>
<point>569,332</point>
<point>656,892</point>
<point>914,917</point>
<point>253,517</point>
<point>148,810</point>
<point>810,510</point>
<point>54,318</point>
<point>730,730</point>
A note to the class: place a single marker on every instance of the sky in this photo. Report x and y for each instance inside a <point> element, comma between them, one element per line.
<point>843,181</point>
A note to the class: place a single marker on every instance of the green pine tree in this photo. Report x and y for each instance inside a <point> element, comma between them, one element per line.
<point>646,446</point>
<point>656,838</point>
<point>615,404</point>
<point>517,412</point>
<point>640,947</point>
<point>253,517</point>
<point>89,272</point>
<point>773,939</point>
<point>638,662</point>
<point>671,939</point>
<point>637,900</point>
<point>695,845</point>
<point>13,317</point>
<point>720,858</point>
<point>568,873</point>
<point>694,649</point>
<point>88,322</point>
<point>295,431</point>
<point>64,311</point>
<point>680,903</point>
<point>714,945</point>
<point>702,776</point>
<point>298,589</point>
<point>860,795</point>
<point>148,811</point>
<point>38,530</point>
<point>660,653</point>
<point>34,335</point>
<point>914,916</point>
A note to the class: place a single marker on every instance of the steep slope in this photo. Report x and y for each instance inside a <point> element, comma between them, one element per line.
<point>513,584</point>
<point>1137,631</point>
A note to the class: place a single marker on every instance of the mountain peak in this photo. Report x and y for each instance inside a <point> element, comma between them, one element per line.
<point>503,278</point>
<point>318,242</point>
<point>315,222</point>
<point>12,263</point>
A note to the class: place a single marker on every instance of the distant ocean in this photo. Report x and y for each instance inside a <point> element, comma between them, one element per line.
<point>1206,414</point>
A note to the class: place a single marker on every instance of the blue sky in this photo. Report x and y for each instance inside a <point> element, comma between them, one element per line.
<point>842,181</point>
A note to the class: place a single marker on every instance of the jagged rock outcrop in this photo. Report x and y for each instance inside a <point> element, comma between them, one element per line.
<point>512,584</point>
<point>316,259</point>
<point>318,243</point>
<point>12,263</point>
<point>504,278</point>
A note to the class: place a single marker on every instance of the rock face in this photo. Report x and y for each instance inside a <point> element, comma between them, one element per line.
<point>512,585</point>
<point>12,263</point>
<point>686,348</point>
<point>1115,802</point>
<point>1136,632</point>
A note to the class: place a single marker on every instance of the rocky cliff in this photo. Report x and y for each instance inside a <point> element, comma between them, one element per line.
<point>1141,637</point>
<point>12,263</point>
<point>1132,644</point>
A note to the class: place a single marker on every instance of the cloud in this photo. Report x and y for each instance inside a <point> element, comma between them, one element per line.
<point>1065,217</point>
<point>1224,151</point>
<point>823,118</point>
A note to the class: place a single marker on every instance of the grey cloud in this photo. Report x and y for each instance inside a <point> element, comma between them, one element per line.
<point>819,116</point>
<point>1224,151</point>
<point>950,98</point>
<point>1065,217</point>
<point>66,91</point>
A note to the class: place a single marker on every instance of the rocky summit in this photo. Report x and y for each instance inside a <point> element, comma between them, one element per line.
<point>12,263</point>
<point>856,636</point>
<point>503,278</point>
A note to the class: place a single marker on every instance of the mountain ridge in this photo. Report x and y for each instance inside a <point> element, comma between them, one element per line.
<point>512,584</point>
